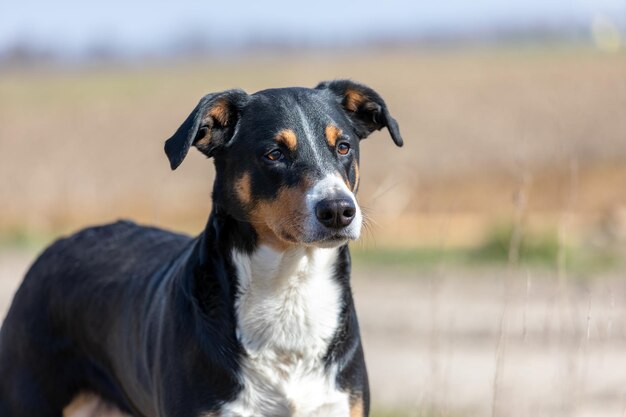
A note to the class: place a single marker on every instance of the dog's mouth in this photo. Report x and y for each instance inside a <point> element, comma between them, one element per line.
<point>332,241</point>
<point>318,235</point>
<point>331,238</point>
<point>324,240</point>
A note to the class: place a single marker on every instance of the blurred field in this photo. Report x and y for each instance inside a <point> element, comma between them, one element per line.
<point>480,127</point>
<point>490,281</point>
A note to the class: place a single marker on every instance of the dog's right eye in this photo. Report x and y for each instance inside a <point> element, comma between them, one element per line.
<point>274,155</point>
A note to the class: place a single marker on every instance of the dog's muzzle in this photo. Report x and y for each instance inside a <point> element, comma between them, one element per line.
<point>334,215</point>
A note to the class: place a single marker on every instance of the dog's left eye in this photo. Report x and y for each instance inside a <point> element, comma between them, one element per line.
<point>274,155</point>
<point>343,148</point>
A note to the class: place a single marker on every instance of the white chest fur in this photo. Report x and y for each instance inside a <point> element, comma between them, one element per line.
<point>287,312</point>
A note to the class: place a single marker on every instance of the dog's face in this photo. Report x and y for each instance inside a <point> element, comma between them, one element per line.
<point>287,160</point>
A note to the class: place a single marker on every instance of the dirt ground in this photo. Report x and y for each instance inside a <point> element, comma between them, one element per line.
<point>495,342</point>
<point>492,342</point>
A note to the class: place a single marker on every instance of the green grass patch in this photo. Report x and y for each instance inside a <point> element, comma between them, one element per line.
<point>535,250</point>
<point>24,239</point>
<point>407,256</point>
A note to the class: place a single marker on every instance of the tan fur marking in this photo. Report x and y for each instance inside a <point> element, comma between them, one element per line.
<point>279,222</point>
<point>243,188</point>
<point>220,112</point>
<point>353,100</point>
<point>288,138</point>
<point>268,237</point>
<point>356,176</point>
<point>332,133</point>
<point>356,407</point>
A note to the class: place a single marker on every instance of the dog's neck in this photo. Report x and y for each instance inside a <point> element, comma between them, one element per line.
<point>288,301</point>
<point>284,302</point>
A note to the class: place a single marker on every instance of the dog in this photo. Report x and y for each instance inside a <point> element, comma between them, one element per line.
<point>254,317</point>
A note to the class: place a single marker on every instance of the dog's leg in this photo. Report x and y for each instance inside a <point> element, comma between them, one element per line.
<point>21,395</point>
<point>33,382</point>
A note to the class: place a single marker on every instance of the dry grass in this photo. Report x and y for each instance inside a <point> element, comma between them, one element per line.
<point>85,146</point>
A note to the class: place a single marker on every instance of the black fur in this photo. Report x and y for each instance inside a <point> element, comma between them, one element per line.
<point>145,317</point>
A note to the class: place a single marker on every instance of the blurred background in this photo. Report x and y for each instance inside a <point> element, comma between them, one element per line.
<point>491,281</point>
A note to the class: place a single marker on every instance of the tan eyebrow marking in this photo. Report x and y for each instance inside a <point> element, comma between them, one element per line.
<point>288,138</point>
<point>332,133</point>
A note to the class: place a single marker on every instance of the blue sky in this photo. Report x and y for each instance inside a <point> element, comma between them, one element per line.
<point>72,26</point>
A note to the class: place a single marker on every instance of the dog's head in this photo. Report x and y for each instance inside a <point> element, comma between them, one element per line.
<point>287,160</point>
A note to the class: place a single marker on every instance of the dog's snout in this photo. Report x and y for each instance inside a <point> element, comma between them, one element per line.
<point>335,212</point>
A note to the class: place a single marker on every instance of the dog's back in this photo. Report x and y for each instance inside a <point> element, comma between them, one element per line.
<point>64,307</point>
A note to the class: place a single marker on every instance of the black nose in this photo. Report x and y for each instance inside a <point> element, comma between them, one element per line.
<point>335,212</point>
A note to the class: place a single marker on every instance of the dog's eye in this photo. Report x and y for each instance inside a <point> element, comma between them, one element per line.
<point>343,148</point>
<point>274,155</point>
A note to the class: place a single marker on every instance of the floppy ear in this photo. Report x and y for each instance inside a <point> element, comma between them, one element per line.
<point>210,125</point>
<point>364,107</point>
